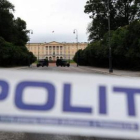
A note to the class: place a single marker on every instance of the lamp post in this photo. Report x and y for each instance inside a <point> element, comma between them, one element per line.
<point>109,46</point>
<point>30,32</point>
<point>110,53</point>
<point>76,32</point>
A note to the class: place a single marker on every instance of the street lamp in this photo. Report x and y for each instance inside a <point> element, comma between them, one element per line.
<point>109,46</point>
<point>76,32</point>
<point>30,32</point>
<point>110,54</point>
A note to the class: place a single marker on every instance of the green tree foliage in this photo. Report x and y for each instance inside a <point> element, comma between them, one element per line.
<point>122,12</point>
<point>12,55</point>
<point>13,38</point>
<point>125,44</point>
<point>20,37</point>
<point>127,11</point>
<point>6,19</point>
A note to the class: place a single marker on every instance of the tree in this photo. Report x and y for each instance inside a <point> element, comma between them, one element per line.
<point>12,30</point>
<point>12,55</point>
<point>122,12</point>
<point>13,37</point>
<point>20,31</point>
<point>128,11</point>
<point>6,19</point>
<point>98,10</point>
<point>125,44</point>
<point>6,5</point>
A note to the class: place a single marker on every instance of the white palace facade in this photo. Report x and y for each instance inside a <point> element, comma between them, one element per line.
<point>55,50</point>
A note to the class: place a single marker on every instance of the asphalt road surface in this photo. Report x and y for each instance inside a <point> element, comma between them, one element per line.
<point>30,136</point>
<point>72,69</point>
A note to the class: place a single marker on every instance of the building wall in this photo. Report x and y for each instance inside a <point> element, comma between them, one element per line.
<point>54,50</point>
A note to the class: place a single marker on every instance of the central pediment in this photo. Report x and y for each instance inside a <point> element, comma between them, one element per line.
<point>54,43</point>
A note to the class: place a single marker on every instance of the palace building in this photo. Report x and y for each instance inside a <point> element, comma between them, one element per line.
<point>55,50</point>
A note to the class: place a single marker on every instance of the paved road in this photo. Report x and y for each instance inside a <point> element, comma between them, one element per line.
<point>82,69</point>
<point>31,136</point>
<point>52,67</point>
<point>73,68</point>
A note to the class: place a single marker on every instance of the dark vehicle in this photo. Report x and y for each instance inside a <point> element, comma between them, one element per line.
<point>62,62</point>
<point>42,62</point>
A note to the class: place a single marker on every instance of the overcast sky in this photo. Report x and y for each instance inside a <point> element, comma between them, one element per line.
<point>60,16</point>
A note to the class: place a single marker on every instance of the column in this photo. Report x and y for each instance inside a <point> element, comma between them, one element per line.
<point>44,52</point>
<point>40,51</point>
<point>54,53</point>
<point>47,51</point>
<point>55,50</point>
<point>59,50</point>
<point>52,50</point>
<point>63,53</point>
<point>67,50</point>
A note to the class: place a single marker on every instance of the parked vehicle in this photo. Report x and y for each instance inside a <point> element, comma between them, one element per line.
<point>62,62</point>
<point>42,62</point>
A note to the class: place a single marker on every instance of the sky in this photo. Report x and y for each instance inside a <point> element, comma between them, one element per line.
<point>60,16</point>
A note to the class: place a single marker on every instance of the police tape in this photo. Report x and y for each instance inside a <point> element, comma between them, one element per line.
<point>74,104</point>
